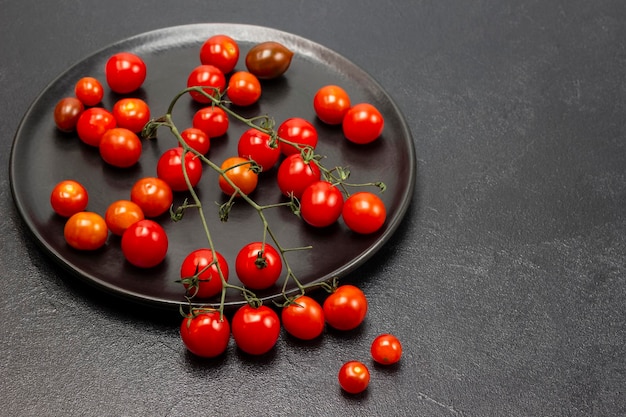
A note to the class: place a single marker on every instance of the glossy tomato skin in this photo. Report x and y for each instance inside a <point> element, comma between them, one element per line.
<point>268,60</point>
<point>68,197</point>
<point>221,51</point>
<point>121,214</point>
<point>170,169</point>
<point>258,273</point>
<point>205,335</point>
<point>295,175</point>
<point>93,123</point>
<point>211,120</point>
<point>86,231</point>
<point>67,112</point>
<point>303,318</point>
<point>244,89</point>
<point>125,72</point>
<point>209,281</point>
<point>345,308</point>
<point>255,330</point>
<point>354,377</point>
<point>153,195</point>
<point>254,144</point>
<point>331,103</point>
<point>120,147</point>
<point>196,139</point>
<point>89,91</point>
<point>144,244</point>
<point>239,171</point>
<point>321,204</point>
<point>363,124</point>
<point>386,349</point>
<point>364,212</point>
<point>208,76</point>
<point>131,113</point>
<point>299,131</point>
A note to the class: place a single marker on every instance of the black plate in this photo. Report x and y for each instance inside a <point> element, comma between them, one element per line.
<point>42,156</point>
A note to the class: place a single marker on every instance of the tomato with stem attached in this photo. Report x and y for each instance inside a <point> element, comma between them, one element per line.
<point>221,51</point>
<point>68,197</point>
<point>200,275</point>
<point>258,265</point>
<point>67,112</point>
<point>144,243</point>
<point>255,329</point>
<point>364,212</point>
<point>298,131</point>
<point>258,146</point>
<point>131,113</point>
<point>86,230</point>
<point>295,175</point>
<point>153,195</point>
<point>354,377</point>
<point>303,318</point>
<point>240,171</point>
<point>321,204</point>
<point>89,91</point>
<point>345,308</point>
<point>363,123</point>
<point>386,349</point>
<point>121,214</point>
<point>208,76</point>
<point>120,147</point>
<point>125,72</point>
<point>205,334</point>
<point>170,169</point>
<point>331,103</point>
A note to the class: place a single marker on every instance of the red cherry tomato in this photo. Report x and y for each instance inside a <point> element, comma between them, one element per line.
<point>255,330</point>
<point>206,334</point>
<point>258,266</point>
<point>125,72</point>
<point>201,265</point>
<point>131,113</point>
<point>354,377</point>
<point>331,103</point>
<point>121,214</point>
<point>144,244</point>
<point>207,76</point>
<point>346,308</point>
<point>363,124</point>
<point>170,169</point>
<point>239,171</point>
<point>211,120</point>
<point>86,231</point>
<point>294,175</point>
<point>153,195</point>
<point>68,197</point>
<point>221,51</point>
<point>66,113</point>
<point>321,204</point>
<point>386,349</point>
<point>92,124</point>
<point>89,91</point>
<point>120,147</point>
<point>196,139</point>
<point>244,88</point>
<point>299,131</point>
<point>254,144</point>
<point>364,212</point>
<point>303,318</point>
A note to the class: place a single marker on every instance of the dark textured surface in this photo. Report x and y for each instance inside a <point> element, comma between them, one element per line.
<point>506,282</point>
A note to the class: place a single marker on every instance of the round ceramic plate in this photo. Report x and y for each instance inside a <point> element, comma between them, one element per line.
<point>42,156</point>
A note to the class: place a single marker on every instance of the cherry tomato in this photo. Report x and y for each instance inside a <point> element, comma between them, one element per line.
<point>144,243</point>
<point>386,349</point>
<point>331,103</point>
<point>92,124</point>
<point>363,123</point>
<point>207,76</point>
<point>268,60</point>
<point>239,171</point>
<point>258,267</point>
<point>294,175</point>
<point>89,91</point>
<point>221,51</point>
<point>321,204</point>
<point>86,230</point>
<point>68,197</point>
<point>206,334</point>
<point>67,112</point>
<point>211,120</point>
<point>125,72</point>
<point>207,281</point>
<point>354,377</point>
<point>121,214</point>
<point>196,139</point>
<point>254,144</point>
<point>153,195</point>
<point>170,169</point>
<point>364,212</point>
<point>345,308</point>
<point>299,131</point>
<point>131,113</point>
<point>244,89</point>
<point>303,318</point>
<point>255,330</point>
<point>120,147</point>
